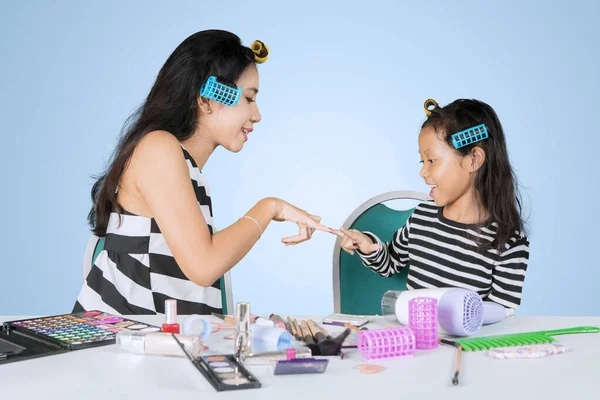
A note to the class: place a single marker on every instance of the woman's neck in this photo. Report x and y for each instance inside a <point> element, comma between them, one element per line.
<point>200,148</point>
<point>467,209</point>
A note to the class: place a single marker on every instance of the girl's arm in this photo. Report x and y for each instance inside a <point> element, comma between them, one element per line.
<point>384,258</point>
<point>509,274</point>
<point>391,257</point>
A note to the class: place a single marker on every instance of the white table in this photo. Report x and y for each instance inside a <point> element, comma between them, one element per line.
<point>104,373</point>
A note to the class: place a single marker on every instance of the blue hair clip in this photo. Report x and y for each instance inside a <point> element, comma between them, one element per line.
<point>219,92</point>
<point>469,136</point>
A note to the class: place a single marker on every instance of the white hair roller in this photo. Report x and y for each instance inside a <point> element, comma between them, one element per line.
<point>195,325</point>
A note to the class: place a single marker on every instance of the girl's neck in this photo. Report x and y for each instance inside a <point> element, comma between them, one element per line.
<point>467,209</point>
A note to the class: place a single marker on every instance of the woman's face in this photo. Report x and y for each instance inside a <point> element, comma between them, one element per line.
<point>230,126</point>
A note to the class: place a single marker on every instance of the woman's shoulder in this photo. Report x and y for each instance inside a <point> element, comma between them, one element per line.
<point>158,142</point>
<point>156,151</point>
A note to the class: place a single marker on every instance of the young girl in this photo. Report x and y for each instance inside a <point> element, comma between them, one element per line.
<point>153,203</point>
<point>471,234</point>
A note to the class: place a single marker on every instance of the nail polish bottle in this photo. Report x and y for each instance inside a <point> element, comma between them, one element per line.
<point>170,325</point>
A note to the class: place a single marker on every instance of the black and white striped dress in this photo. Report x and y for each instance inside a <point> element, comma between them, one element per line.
<point>136,272</point>
<point>444,253</point>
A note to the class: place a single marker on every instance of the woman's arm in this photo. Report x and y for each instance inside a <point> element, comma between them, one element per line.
<point>162,179</point>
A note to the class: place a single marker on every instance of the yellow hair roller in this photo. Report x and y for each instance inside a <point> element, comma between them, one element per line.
<point>429,106</point>
<point>260,50</point>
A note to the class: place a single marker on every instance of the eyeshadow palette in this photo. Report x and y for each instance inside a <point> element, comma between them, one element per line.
<point>300,366</point>
<point>37,337</point>
<point>226,373</point>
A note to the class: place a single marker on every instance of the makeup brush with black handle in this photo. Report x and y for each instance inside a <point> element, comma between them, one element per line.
<point>328,347</point>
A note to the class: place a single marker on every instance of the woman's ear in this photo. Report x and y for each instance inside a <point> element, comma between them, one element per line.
<point>204,105</point>
<point>477,158</point>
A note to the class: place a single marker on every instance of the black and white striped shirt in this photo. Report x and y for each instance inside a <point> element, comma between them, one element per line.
<point>444,253</point>
<point>136,272</point>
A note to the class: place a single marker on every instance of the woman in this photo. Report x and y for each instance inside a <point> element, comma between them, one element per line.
<point>153,204</point>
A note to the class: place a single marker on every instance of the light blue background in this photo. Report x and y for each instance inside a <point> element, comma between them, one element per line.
<point>341,97</point>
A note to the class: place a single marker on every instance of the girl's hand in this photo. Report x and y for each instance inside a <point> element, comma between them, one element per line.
<point>354,239</point>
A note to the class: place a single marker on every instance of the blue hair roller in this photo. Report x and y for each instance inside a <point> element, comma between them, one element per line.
<point>469,136</point>
<point>219,92</point>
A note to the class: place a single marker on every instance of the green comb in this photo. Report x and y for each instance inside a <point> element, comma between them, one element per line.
<point>518,339</point>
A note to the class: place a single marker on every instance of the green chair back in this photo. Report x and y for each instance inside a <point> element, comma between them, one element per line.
<point>361,289</point>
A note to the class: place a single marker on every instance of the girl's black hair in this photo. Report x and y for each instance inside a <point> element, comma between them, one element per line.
<point>495,182</point>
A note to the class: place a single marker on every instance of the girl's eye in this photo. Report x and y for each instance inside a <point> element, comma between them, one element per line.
<point>250,100</point>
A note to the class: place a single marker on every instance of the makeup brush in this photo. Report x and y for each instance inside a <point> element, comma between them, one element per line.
<point>224,318</point>
<point>316,331</point>
<point>292,329</point>
<point>278,321</point>
<point>231,320</point>
<point>328,347</point>
<point>457,362</point>
<point>297,327</point>
<point>339,340</point>
<point>322,329</point>
<point>355,328</point>
<point>308,339</point>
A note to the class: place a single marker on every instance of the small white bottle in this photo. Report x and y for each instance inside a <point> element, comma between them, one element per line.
<point>158,343</point>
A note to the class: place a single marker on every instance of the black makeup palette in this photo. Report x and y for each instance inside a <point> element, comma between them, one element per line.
<point>223,372</point>
<point>37,337</point>
<point>226,373</point>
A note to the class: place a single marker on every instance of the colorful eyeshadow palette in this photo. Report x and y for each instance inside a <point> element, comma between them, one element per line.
<point>51,335</point>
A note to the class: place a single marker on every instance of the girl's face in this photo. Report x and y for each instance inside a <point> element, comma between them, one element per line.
<point>230,126</point>
<point>449,174</point>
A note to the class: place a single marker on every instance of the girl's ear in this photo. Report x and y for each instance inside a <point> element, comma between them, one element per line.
<point>477,158</point>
